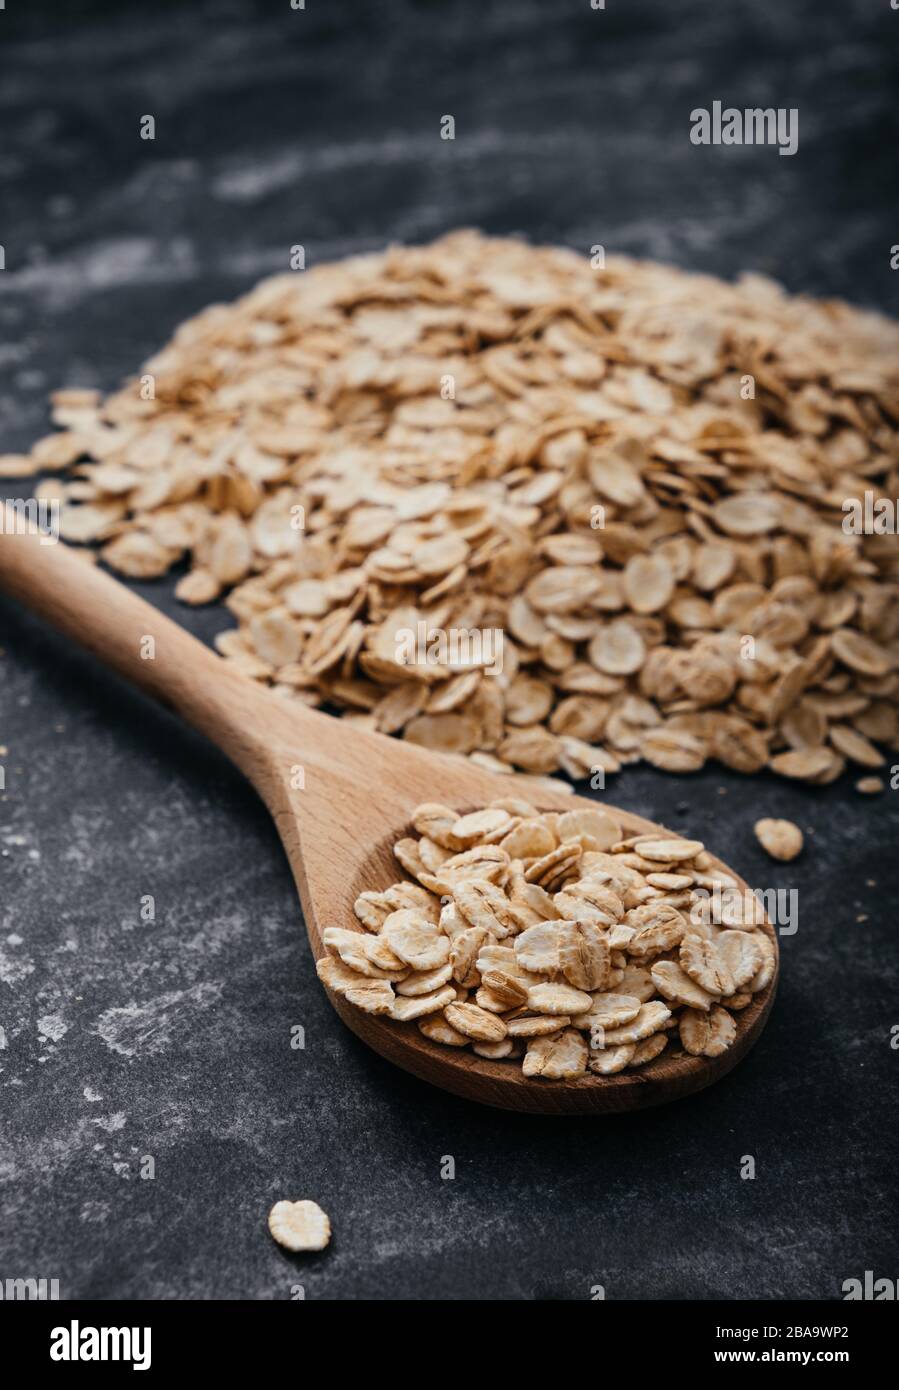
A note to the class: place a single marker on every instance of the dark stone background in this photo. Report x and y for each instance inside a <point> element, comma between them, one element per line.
<point>171,1039</point>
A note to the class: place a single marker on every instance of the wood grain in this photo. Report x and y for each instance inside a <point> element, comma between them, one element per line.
<point>340,797</point>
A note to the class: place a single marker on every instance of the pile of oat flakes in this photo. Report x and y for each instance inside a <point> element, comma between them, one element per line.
<point>550,937</point>
<point>480,435</point>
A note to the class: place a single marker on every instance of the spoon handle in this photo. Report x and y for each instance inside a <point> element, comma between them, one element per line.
<point>129,635</point>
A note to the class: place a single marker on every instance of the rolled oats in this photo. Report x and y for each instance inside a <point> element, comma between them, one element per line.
<point>508,992</point>
<point>486,906</point>
<point>481,827</point>
<point>436,823</point>
<point>742,954</point>
<point>536,1025</point>
<point>648,1049</point>
<point>659,928</point>
<point>552,869</point>
<point>694,1030</point>
<point>765,973</point>
<point>650,1019</point>
<point>436,1028</point>
<point>608,1061</point>
<point>537,948</point>
<point>371,996</point>
<point>495,1051</point>
<point>702,961</point>
<point>635,980</point>
<point>558,999</point>
<point>299,1225</point>
<point>475,1022</point>
<point>464,950</point>
<point>425,981</point>
<point>780,838</point>
<point>805,764</point>
<point>418,1005</point>
<point>597,972</point>
<point>368,955</point>
<point>596,489</point>
<point>722,1031</point>
<point>415,940</point>
<point>855,746</point>
<point>676,986</point>
<point>610,1011</point>
<point>584,955</point>
<point>671,851</point>
<point>557,1058</point>
<point>530,839</point>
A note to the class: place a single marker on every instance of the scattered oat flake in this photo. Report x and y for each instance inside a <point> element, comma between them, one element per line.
<point>299,1225</point>
<point>780,838</point>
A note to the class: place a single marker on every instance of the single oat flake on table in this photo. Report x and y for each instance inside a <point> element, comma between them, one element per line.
<point>299,1225</point>
<point>553,942</point>
<point>782,839</point>
<point>634,476</point>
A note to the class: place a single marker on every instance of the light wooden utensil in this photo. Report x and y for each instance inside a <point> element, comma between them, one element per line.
<point>339,829</point>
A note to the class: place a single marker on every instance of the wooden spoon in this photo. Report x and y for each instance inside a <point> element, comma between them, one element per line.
<point>357,795</point>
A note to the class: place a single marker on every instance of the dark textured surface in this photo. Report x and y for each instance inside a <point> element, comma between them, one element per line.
<point>124,1038</point>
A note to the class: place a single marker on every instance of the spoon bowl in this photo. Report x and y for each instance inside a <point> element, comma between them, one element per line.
<point>502,1084</point>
